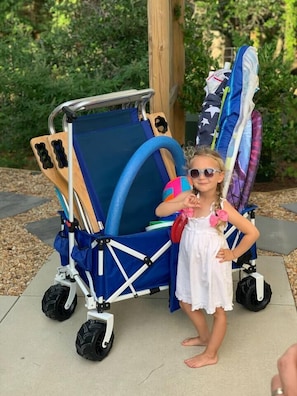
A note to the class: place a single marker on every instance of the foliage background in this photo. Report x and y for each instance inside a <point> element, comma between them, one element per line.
<point>56,50</point>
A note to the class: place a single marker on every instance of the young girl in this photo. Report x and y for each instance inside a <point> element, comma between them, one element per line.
<point>204,271</point>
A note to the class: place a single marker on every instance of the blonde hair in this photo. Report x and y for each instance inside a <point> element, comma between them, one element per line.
<point>205,151</point>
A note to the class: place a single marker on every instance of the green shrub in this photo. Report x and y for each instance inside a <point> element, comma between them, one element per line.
<point>277,103</point>
<point>73,57</point>
<point>76,49</point>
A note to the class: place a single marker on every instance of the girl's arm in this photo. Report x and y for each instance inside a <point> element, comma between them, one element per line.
<point>250,234</point>
<point>184,200</point>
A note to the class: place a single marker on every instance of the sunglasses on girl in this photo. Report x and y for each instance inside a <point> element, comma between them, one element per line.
<point>207,172</point>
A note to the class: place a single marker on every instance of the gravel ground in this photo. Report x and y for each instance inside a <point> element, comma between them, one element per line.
<point>22,254</point>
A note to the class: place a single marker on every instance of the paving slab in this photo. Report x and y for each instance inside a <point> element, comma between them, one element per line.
<point>292,207</point>
<point>12,204</point>
<point>38,354</point>
<point>277,236</point>
<point>46,229</point>
<point>7,303</point>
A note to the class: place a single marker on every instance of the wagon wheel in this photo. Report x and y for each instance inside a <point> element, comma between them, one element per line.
<point>242,289</point>
<point>246,294</point>
<point>89,341</point>
<point>53,303</point>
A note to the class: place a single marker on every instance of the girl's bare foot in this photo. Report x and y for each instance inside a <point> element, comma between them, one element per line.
<point>201,360</point>
<point>194,341</point>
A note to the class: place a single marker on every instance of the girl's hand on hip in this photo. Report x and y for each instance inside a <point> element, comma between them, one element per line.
<point>225,255</point>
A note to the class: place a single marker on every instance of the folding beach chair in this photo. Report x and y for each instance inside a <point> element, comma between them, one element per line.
<point>237,135</point>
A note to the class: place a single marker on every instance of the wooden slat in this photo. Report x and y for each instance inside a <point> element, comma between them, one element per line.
<point>44,157</point>
<point>155,120</point>
<point>78,179</point>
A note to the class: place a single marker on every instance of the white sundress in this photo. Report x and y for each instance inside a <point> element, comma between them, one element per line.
<point>202,281</point>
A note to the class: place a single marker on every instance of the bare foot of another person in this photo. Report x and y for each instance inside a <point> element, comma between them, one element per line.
<point>201,360</point>
<point>194,341</point>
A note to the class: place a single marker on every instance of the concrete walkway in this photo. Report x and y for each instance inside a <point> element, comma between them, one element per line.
<point>38,356</point>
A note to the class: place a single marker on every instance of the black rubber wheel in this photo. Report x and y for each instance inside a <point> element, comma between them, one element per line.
<point>241,290</point>
<point>89,341</point>
<point>246,294</point>
<point>53,303</point>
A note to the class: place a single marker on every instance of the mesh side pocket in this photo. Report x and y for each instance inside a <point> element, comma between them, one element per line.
<point>61,244</point>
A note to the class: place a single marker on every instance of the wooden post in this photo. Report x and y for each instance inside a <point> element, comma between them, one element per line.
<point>167,60</point>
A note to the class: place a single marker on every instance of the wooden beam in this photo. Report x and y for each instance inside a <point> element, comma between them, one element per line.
<point>167,60</point>
<point>159,12</point>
